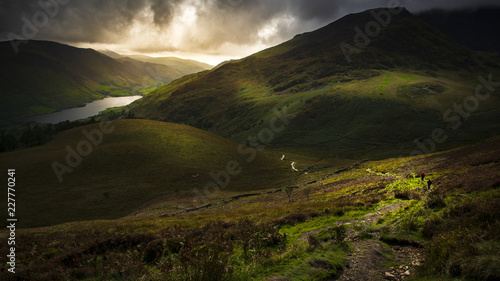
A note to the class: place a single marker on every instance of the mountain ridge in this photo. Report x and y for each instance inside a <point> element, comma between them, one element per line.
<point>409,74</point>
<point>46,76</point>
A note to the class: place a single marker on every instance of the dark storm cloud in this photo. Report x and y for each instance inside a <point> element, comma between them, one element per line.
<point>422,5</point>
<point>218,22</point>
<point>79,20</point>
<point>163,11</point>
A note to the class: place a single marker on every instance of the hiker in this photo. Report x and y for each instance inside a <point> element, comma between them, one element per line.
<point>429,183</point>
<point>422,176</point>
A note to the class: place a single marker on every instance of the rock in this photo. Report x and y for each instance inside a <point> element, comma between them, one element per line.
<point>389,276</point>
<point>407,273</point>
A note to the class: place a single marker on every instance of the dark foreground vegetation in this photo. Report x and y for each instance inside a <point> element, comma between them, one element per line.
<point>268,237</point>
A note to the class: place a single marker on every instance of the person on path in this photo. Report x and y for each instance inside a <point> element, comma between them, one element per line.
<point>422,176</point>
<point>429,183</point>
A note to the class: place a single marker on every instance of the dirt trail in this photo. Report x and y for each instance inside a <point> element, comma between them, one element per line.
<point>368,261</point>
<point>367,219</point>
<point>369,258</point>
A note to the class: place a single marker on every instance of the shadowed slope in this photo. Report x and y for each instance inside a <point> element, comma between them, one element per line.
<point>137,162</point>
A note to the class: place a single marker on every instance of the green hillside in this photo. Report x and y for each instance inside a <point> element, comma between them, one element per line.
<point>392,92</point>
<point>295,163</point>
<point>138,163</point>
<point>46,76</point>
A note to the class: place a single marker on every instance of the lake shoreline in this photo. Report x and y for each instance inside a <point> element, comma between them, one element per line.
<point>87,110</point>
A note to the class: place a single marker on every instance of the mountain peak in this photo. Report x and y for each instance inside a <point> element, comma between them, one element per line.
<point>341,82</point>
<point>375,38</point>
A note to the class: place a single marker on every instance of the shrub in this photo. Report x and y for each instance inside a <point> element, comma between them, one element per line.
<point>335,233</point>
<point>313,241</point>
<point>409,222</point>
<point>435,200</point>
<point>153,252</point>
<point>340,233</point>
<point>206,262</point>
<point>257,240</point>
<point>402,194</point>
<point>464,240</point>
<point>292,219</point>
<point>339,212</point>
<point>173,244</point>
<point>413,194</point>
<point>431,227</point>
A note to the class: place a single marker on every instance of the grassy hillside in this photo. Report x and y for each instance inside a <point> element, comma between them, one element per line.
<point>182,65</point>
<point>375,218</point>
<point>138,163</point>
<point>139,199</point>
<point>46,76</point>
<point>395,90</point>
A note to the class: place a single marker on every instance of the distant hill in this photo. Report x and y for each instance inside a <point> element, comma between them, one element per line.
<point>177,67</point>
<point>110,54</point>
<point>395,88</point>
<point>476,28</point>
<point>167,69</point>
<point>183,65</point>
<point>47,76</point>
<point>139,162</point>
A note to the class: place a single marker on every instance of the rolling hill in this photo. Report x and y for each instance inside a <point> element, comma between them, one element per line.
<point>176,67</point>
<point>379,100</point>
<point>135,163</point>
<point>47,76</point>
<point>139,199</point>
<point>182,65</point>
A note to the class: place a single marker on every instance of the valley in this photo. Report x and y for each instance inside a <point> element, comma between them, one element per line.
<point>294,163</point>
<point>45,77</point>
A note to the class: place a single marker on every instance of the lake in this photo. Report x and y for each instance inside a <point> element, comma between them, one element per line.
<point>90,109</point>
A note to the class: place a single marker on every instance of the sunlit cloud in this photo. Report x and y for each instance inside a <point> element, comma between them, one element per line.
<point>209,30</point>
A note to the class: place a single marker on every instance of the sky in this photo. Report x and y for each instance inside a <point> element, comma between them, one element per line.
<point>210,31</point>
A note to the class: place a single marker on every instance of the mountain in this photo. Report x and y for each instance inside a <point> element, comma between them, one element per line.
<point>147,200</point>
<point>474,28</point>
<point>177,67</point>
<point>183,65</point>
<point>111,54</point>
<point>352,95</point>
<point>165,69</point>
<point>46,76</point>
<point>96,172</point>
